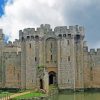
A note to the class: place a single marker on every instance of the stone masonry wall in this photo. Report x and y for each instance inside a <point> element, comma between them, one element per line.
<point>61,50</point>
<point>12,64</point>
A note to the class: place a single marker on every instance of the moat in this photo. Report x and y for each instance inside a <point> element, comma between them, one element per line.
<point>76,96</point>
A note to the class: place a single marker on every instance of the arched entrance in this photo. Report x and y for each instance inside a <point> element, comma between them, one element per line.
<point>52,78</point>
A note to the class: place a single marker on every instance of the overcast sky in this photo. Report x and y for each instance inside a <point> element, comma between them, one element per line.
<point>19,14</point>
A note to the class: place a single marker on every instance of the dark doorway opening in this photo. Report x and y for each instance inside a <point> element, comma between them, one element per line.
<point>41,84</point>
<point>52,78</point>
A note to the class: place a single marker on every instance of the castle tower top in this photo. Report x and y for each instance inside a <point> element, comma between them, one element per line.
<point>72,30</point>
<point>1,35</point>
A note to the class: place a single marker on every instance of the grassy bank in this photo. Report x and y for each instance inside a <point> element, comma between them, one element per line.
<point>29,95</point>
<point>4,94</point>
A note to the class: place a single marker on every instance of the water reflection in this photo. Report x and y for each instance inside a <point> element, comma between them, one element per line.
<point>77,96</point>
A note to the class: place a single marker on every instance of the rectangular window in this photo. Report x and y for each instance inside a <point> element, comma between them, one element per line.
<point>51,45</point>
<point>51,57</point>
<point>68,58</point>
<point>68,42</point>
<point>35,59</point>
<point>69,35</point>
<point>28,37</point>
<point>30,45</point>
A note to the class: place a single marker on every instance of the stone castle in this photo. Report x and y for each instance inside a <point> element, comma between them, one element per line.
<point>44,56</point>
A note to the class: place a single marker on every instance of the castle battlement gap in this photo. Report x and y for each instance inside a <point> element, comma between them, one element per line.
<point>46,56</point>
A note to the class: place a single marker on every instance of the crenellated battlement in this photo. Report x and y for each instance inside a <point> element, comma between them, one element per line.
<point>1,34</point>
<point>15,43</point>
<point>72,29</point>
<point>95,51</point>
<point>98,51</point>
<point>60,29</point>
<point>1,31</point>
<point>92,51</point>
<point>46,27</point>
<point>12,46</point>
<point>28,31</point>
<point>32,33</point>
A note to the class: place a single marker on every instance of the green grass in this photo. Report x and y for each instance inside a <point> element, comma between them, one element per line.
<point>4,94</point>
<point>30,95</point>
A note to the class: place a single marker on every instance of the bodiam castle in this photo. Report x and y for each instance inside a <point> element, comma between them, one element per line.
<point>42,57</point>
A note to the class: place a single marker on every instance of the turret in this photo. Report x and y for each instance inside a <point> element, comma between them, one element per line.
<point>85,47</point>
<point>98,51</point>
<point>92,51</point>
<point>1,35</point>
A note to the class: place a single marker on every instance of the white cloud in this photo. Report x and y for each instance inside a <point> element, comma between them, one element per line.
<point>21,14</point>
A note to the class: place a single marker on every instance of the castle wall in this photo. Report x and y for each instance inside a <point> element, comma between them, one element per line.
<point>65,66</point>
<point>91,68</point>
<point>86,69</point>
<point>79,63</point>
<point>23,65</point>
<point>31,63</point>
<point>12,64</point>
<point>70,57</point>
<point>61,50</point>
<point>94,68</point>
<point>29,59</point>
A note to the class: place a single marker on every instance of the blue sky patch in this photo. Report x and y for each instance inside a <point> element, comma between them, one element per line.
<point>2,4</point>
